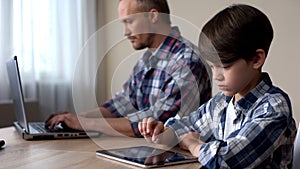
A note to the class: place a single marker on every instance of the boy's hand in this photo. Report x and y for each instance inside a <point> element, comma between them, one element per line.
<point>191,142</point>
<point>151,129</point>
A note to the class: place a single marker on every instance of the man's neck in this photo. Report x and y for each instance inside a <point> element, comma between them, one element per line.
<point>160,37</point>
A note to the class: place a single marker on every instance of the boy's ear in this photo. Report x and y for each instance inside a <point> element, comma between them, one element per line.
<point>259,59</point>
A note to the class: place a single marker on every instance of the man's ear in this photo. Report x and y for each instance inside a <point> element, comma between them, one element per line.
<point>259,59</point>
<point>153,15</point>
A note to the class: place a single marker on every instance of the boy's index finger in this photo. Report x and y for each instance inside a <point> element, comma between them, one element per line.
<point>151,123</point>
<point>158,130</point>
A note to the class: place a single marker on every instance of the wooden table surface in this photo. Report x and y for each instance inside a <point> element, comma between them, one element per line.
<point>66,153</point>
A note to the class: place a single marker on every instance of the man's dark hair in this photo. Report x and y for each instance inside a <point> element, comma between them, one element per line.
<point>235,33</point>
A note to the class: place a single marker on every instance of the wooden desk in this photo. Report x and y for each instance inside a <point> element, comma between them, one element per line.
<point>67,153</point>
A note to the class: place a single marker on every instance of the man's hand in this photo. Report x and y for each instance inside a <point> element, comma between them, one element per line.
<point>69,119</point>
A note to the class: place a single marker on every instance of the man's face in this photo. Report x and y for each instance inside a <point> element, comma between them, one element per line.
<point>137,25</point>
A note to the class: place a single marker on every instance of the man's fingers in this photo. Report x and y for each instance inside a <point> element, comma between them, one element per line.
<point>55,120</point>
<point>53,115</point>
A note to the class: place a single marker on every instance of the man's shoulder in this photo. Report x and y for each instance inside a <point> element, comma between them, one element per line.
<point>186,50</point>
<point>187,44</point>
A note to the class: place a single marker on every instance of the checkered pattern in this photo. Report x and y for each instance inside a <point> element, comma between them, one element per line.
<point>265,134</point>
<point>171,81</point>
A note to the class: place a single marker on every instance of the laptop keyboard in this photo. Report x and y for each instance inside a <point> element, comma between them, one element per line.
<point>37,128</point>
<point>40,128</point>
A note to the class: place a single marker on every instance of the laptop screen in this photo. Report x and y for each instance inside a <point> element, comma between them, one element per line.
<point>16,91</point>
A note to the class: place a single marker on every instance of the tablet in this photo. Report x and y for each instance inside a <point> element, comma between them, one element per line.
<point>147,157</point>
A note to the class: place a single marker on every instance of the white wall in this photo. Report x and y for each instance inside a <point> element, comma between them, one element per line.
<point>190,15</point>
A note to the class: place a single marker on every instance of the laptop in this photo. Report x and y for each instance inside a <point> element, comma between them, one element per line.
<point>147,157</point>
<point>35,130</point>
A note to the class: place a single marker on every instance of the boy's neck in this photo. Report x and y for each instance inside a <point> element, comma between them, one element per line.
<point>239,96</point>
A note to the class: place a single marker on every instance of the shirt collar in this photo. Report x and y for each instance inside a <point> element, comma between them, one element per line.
<point>163,51</point>
<point>246,102</point>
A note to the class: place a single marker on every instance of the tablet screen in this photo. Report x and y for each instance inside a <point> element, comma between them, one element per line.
<point>145,156</point>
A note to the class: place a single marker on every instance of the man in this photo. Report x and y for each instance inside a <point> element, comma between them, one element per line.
<point>168,80</point>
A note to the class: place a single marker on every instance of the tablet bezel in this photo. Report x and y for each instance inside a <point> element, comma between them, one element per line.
<point>110,154</point>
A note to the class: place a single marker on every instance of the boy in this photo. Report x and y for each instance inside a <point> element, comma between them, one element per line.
<point>248,124</point>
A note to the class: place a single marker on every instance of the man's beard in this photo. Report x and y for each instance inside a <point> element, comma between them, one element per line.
<point>140,46</point>
<point>145,44</point>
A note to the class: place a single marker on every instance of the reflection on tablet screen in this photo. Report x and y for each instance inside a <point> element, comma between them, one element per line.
<point>144,156</point>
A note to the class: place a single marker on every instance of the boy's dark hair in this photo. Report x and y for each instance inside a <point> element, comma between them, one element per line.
<point>160,5</point>
<point>235,33</point>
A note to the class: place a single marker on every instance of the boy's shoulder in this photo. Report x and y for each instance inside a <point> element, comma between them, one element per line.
<point>267,88</point>
<point>265,93</point>
<point>276,94</point>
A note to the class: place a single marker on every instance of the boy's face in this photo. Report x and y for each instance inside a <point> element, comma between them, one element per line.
<point>237,78</point>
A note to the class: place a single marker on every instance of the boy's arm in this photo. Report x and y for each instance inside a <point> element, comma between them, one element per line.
<point>155,131</point>
<point>191,142</point>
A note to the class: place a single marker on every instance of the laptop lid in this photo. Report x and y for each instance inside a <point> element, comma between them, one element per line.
<point>22,124</point>
<point>17,92</point>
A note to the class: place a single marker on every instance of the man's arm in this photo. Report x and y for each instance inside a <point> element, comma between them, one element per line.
<point>109,126</point>
<point>99,112</point>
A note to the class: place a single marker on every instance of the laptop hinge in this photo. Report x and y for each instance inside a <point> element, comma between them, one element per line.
<point>20,127</point>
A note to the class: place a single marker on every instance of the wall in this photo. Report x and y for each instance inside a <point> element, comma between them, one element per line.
<point>7,114</point>
<point>282,61</point>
